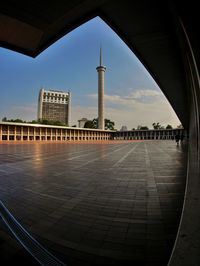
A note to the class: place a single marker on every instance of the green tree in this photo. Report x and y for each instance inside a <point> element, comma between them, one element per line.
<point>94,124</point>
<point>139,127</point>
<point>109,124</point>
<point>169,127</point>
<point>59,123</point>
<point>34,122</point>
<point>156,125</point>
<point>18,120</point>
<point>43,121</point>
<point>50,122</point>
<point>89,124</point>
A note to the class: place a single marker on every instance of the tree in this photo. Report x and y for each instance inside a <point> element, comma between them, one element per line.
<point>94,124</point>
<point>169,127</point>
<point>109,124</point>
<point>89,124</point>
<point>50,122</point>
<point>34,122</point>
<point>17,120</point>
<point>157,125</point>
<point>43,121</point>
<point>139,127</point>
<point>59,123</point>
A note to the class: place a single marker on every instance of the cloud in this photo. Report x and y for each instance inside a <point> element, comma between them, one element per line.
<point>146,96</point>
<point>138,107</point>
<point>142,114</point>
<point>139,94</point>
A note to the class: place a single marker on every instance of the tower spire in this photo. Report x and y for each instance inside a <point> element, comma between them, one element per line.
<point>100,56</point>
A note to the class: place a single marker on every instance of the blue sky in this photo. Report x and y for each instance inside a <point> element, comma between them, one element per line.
<point>131,96</point>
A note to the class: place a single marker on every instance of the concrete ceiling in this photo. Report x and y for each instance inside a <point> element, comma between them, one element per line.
<point>148,28</point>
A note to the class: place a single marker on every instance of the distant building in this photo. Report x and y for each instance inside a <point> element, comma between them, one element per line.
<point>81,122</point>
<point>54,105</point>
<point>123,128</point>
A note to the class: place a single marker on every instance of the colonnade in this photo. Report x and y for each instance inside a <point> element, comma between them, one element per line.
<point>32,132</point>
<point>35,132</point>
<point>151,134</point>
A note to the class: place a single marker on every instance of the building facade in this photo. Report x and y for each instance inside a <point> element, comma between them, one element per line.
<point>54,106</point>
<point>10,131</point>
<point>124,128</point>
<point>150,134</point>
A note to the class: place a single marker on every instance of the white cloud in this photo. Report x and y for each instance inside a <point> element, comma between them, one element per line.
<point>133,97</point>
<point>139,107</point>
<point>138,94</point>
<point>142,114</point>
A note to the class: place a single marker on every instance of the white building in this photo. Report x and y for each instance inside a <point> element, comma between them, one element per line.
<point>54,105</point>
<point>81,122</point>
<point>123,128</point>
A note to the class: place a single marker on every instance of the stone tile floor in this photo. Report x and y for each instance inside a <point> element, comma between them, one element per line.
<point>96,204</point>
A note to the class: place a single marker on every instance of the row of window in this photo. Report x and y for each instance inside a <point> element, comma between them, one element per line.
<point>54,98</point>
<point>55,94</point>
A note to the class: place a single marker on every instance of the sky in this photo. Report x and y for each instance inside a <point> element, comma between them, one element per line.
<point>132,97</point>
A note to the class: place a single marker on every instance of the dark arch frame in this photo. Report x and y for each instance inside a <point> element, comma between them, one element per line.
<point>164,36</point>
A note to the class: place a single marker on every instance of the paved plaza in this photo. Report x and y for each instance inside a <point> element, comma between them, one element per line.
<point>113,203</point>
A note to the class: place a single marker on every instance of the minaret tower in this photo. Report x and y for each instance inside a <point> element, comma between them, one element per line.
<point>101,70</point>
